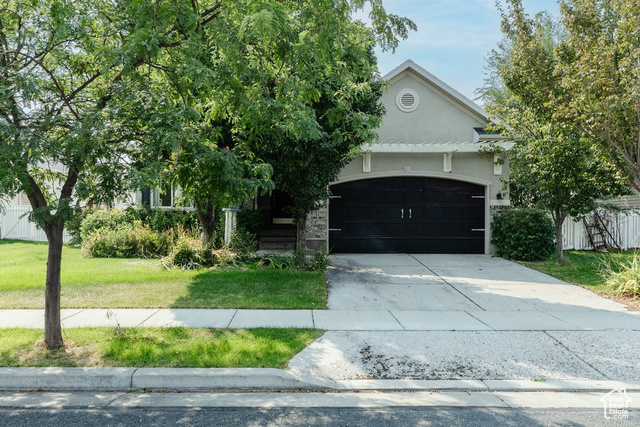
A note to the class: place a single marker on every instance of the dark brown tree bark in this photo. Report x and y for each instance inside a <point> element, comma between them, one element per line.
<point>54,229</point>
<point>208,216</point>
<point>558,219</point>
<point>52,327</point>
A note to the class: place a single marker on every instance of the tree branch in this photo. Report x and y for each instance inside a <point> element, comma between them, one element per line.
<point>55,81</point>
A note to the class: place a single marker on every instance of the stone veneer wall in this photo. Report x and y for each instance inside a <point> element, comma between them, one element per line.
<point>317,231</point>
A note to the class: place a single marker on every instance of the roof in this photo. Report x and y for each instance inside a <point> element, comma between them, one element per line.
<point>439,84</point>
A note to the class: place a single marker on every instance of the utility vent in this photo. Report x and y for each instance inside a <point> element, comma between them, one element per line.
<point>407,100</point>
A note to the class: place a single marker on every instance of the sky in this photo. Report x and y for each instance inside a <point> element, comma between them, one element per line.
<point>454,38</point>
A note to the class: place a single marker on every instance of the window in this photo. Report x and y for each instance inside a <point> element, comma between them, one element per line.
<point>163,197</point>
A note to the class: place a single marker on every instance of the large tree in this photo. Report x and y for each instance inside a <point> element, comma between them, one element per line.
<point>597,74</point>
<point>556,167</point>
<point>347,111</point>
<point>69,72</point>
<point>100,96</point>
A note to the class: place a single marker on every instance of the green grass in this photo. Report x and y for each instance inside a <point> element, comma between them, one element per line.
<point>139,283</point>
<point>582,267</point>
<point>159,347</point>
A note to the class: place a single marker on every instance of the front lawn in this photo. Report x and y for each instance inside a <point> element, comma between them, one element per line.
<point>156,347</point>
<point>585,268</point>
<point>581,267</point>
<point>140,283</point>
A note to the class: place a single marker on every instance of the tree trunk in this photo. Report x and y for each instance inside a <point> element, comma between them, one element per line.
<point>52,327</point>
<point>208,216</point>
<point>301,240</point>
<point>559,245</point>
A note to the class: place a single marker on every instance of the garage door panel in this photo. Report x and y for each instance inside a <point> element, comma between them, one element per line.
<point>419,215</point>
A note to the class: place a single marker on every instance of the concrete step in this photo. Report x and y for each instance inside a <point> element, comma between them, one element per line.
<point>286,232</point>
<point>277,246</point>
<point>270,239</point>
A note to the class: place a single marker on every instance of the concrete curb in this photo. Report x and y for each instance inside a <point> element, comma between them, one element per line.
<point>66,379</point>
<point>194,379</point>
<point>257,379</point>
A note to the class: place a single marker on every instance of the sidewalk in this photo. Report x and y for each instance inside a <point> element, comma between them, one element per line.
<point>337,320</point>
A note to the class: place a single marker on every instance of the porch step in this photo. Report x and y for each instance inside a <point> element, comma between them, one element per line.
<point>278,232</point>
<point>277,246</point>
<point>278,239</point>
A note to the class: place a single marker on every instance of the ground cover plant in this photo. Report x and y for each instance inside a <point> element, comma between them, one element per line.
<point>145,283</point>
<point>156,347</point>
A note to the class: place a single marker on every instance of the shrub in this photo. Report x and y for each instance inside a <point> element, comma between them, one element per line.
<point>161,220</point>
<point>623,277</point>
<point>277,261</point>
<point>74,225</point>
<point>243,242</point>
<point>105,219</point>
<point>127,241</point>
<point>523,234</point>
<point>250,220</point>
<point>188,253</point>
<point>319,260</point>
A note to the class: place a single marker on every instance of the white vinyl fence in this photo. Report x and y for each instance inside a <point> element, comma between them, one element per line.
<point>624,227</point>
<point>15,224</point>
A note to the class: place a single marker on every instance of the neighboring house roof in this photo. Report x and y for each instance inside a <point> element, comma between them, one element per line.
<point>439,84</point>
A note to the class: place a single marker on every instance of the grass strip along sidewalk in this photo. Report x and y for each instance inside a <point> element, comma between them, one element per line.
<point>143,283</point>
<point>156,347</point>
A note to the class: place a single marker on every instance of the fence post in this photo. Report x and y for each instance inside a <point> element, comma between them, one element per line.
<point>230,223</point>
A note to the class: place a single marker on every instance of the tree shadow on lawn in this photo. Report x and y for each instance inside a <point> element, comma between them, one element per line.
<point>255,289</point>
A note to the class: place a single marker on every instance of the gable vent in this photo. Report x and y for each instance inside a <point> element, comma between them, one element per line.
<point>407,100</point>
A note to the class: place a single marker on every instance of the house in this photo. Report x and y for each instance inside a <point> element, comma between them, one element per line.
<point>424,187</point>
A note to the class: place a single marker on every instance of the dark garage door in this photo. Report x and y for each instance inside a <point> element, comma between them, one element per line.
<point>409,214</point>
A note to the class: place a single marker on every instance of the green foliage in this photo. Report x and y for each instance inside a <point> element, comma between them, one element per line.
<point>161,220</point>
<point>250,221</point>
<point>74,226</point>
<point>557,167</point>
<point>127,241</point>
<point>622,277</point>
<point>189,253</point>
<point>523,234</point>
<point>580,72</point>
<point>243,243</point>
<point>319,260</point>
<point>278,261</point>
<point>105,219</point>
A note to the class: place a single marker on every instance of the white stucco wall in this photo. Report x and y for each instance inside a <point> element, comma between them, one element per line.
<point>438,118</point>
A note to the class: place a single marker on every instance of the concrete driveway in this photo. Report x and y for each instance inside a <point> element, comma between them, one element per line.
<point>466,317</point>
<point>450,283</point>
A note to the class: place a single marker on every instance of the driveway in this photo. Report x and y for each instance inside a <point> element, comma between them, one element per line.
<point>450,283</point>
<point>466,317</point>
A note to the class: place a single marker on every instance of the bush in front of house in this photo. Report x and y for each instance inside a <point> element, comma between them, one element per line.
<point>523,234</point>
<point>105,219</point>
<point>189,253</point>
<point>130,240</point>
<point>162,220</point>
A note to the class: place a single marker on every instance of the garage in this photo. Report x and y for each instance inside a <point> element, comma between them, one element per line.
<point>407,215</point>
